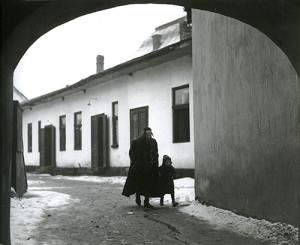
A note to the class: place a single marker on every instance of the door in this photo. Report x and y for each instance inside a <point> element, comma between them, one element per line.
<point>99,142</point>
<point>48,148</point>
<point>138,121</point>
<point>18,173</point>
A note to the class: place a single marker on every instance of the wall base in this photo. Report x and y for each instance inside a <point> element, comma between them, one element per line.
<point>113,171</point>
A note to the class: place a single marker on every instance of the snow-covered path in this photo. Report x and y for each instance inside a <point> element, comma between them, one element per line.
<point>47,213</point>
<point>29,211</point>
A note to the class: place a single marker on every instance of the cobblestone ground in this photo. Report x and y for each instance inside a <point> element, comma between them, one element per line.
<point>103,216</point>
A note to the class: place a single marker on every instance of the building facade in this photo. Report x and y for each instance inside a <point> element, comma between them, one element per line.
<point>18,96</point>
<point>94,120</point>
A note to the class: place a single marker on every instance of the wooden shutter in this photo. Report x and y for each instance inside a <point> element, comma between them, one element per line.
<point>138,121</point>
<point>99,143</point>
<point>19,180</point>
<point>48,148</point>
<point>29,137</point>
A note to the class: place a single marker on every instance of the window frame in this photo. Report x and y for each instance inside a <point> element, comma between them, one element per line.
<point>115,126</point>
<point>62,143</point>
<point>29,137</point>
<point>39,134</point>
<point>76,127</point>
<point>131,113</point>
<point>178,107</point>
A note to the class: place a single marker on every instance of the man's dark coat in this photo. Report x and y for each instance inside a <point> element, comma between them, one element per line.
<point>143,172</point>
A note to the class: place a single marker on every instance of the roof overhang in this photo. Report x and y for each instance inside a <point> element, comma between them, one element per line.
<point>155,58</point>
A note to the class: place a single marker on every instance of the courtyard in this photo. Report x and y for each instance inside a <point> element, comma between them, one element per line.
<point>91,210</point>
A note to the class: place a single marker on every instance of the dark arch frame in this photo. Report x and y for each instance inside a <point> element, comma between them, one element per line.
<point>24,21</point>
<point>279,20</point>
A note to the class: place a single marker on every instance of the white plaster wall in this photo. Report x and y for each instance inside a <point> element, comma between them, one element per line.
<point>149,87</point>
<point>17,97</point>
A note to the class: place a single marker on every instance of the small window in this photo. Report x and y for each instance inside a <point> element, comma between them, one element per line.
<point>62,133</point>
<point>181,114</point>
<point>115,125</point>
<point>138,121</point>
<point>39,135</point>
<point>77,131</point>
<point>29,137</point>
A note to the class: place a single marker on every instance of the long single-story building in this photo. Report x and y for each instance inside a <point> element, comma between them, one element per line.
<point>88,127</point>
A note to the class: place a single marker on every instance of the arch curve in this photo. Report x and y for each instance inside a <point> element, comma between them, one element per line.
<point>279,20</point>
<point>27,20</point>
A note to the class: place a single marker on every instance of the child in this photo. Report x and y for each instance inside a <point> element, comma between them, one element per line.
<point>167,175</point>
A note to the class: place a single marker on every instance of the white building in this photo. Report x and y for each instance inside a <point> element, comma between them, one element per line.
<point>93,121</point>
<point>18,96</point>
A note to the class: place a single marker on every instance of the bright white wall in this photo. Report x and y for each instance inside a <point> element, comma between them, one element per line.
<point>149,87</point>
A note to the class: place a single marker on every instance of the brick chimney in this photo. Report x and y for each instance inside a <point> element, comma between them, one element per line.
<point>100,63</point>
<point>156,41</point>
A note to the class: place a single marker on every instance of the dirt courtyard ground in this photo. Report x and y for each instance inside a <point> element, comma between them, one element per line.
<point>97,213</point>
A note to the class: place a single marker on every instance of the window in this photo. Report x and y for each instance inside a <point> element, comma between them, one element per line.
<point>29,137</point>
<point>138,121</point>
<point>181,114</point>
<point>115,125</point>
<point>62,133</point>
<point>39,135</point>
<point>77,130</point>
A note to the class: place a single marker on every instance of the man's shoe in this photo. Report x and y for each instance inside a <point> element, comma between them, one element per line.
<point>138,201</point>
<point>175,204</point>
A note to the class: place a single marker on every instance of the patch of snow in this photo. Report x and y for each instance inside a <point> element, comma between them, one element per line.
<point>35,182</point>
<point>44,175</point>
<point>48,188</point>
<point>184,183</point>
<point>276,233</point>
<point>96,179</point>
<point>183,190</point>
<point>28,212</point>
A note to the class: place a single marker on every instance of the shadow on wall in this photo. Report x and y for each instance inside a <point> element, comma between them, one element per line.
<point>246,108</point>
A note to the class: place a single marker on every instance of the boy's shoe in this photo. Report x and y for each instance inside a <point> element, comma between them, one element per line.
<point>175,204</point>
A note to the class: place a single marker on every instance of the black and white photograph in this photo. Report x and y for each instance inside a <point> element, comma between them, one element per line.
<point>150,122</point>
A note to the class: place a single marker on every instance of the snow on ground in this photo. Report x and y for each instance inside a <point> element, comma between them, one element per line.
<point>35,182</point>
<point>28,212</point>
<point>184,192</point>
<point>276,233</point>
<point>97,179</point>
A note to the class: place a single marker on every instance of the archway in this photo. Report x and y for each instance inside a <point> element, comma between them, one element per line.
<point>278,20</point>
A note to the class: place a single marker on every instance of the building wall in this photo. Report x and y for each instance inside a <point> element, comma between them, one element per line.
<point>17,96</point>
<point>149,87</point>
<point>247,120</point>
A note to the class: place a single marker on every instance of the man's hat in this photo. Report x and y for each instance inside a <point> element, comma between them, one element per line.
<point>147,128</point>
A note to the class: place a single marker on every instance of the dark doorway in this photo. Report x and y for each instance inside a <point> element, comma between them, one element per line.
<point>99,143</point>
<point>138,121</point>
<point>18,173</point>
<point>48,149</point>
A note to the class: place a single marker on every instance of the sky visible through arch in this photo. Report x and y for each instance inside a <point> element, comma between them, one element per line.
<point>68,53</point>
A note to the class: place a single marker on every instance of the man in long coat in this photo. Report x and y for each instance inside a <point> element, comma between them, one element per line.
<point>142,176</point>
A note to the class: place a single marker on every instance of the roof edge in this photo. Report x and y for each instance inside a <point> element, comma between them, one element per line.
<point>112,70</point>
